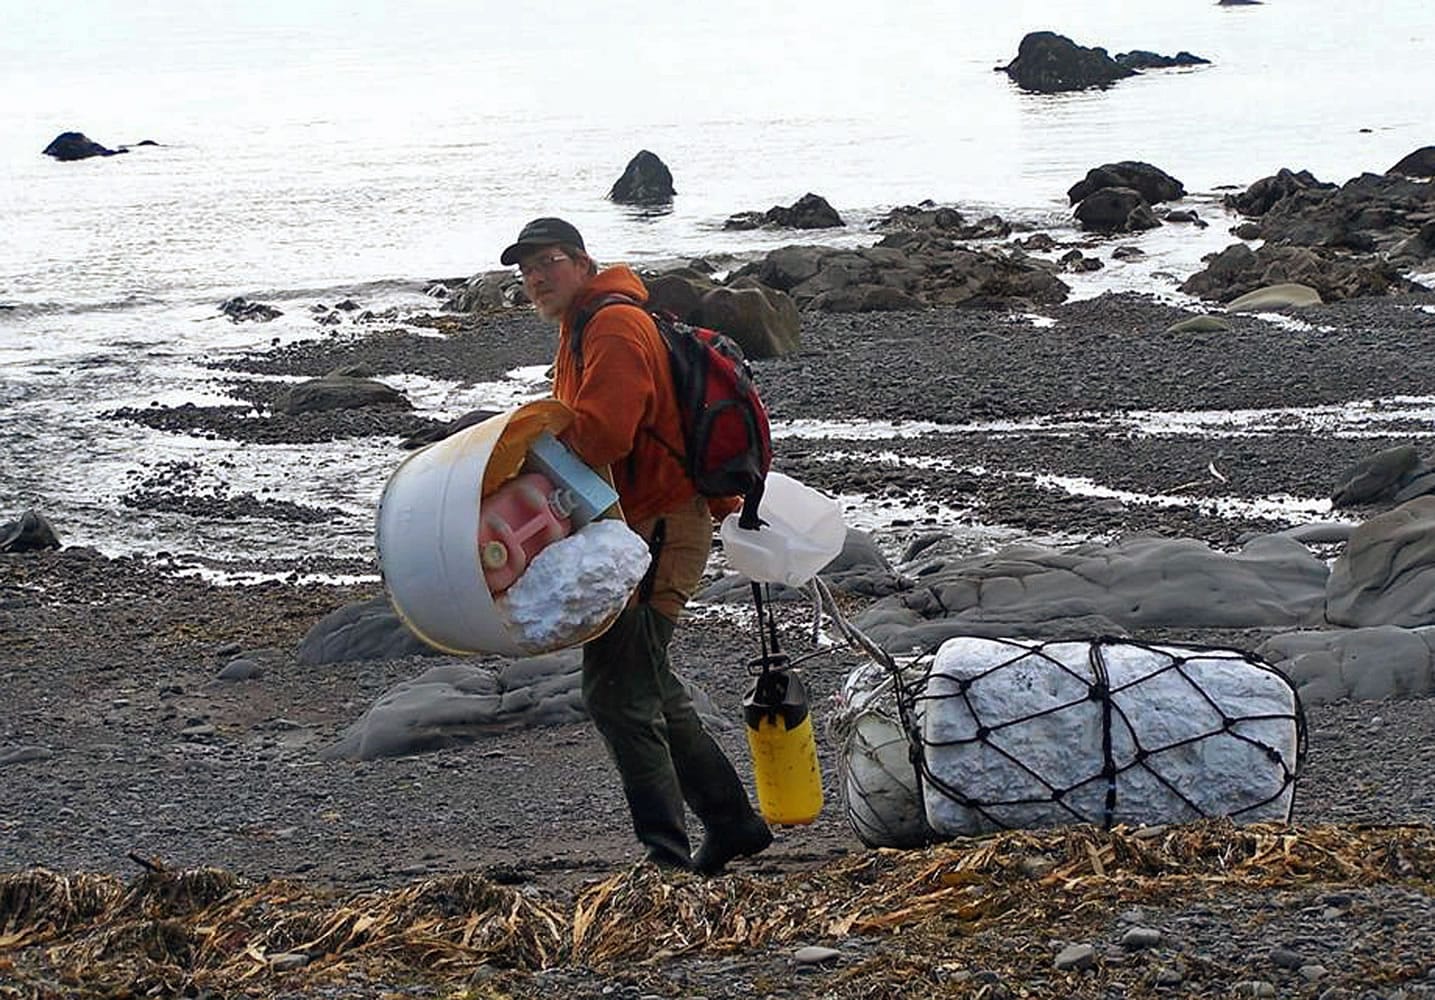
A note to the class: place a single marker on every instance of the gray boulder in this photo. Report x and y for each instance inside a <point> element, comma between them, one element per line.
<point>1116,210</point>
<point>1140,582</point>
<point>761,320</point>
<point>338,392</point>
<point>69,146</point>
<point>1365,664</point>
<point>453,703</point>
<point>1420,163</point>
<point>646,181</point>
<point>1048,63</point>
<point>1386,575</point>
<point>30,532</point>
<point>1152,183</point>
<point>1379,477</point>
<point>364,630</point>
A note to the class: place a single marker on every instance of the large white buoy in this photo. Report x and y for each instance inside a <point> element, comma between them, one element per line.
<point>428,526</point>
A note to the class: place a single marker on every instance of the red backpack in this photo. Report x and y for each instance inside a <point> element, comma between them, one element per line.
<point>727,442</point>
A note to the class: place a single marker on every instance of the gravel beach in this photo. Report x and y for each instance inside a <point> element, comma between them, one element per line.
<point>119,741</point>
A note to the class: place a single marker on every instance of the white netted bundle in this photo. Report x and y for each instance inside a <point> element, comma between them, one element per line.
<point>1020,733</point>
<point>876,765</point>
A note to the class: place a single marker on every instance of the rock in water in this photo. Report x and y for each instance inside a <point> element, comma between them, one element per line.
<point>645,181</point>
<point>77,146</point>
<point>1047,63</point>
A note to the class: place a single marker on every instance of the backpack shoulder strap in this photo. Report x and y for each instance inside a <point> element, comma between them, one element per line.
<point>585,316</point>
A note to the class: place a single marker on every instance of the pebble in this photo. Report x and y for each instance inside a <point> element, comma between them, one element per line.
<point>1076,956</point>
<point>241,669</point>
<point>194,732</point>
<point>1310,973</point>
<point>1254,988</point>
<point>815,954</point>
<point>288,960</point>
<point>1286,959</point>
<point>1169,976</point>
<point>1141,937</point>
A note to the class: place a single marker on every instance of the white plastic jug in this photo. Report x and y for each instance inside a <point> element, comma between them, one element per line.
<point>803,533</point>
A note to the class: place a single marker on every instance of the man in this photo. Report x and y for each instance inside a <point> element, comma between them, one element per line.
<point>614,375</point>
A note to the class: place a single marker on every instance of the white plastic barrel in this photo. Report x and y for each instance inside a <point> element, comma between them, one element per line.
<point>427,530</point>
<point>803,533</point>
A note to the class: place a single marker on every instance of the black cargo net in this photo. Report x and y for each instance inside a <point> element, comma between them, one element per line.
<point>1180,682</point>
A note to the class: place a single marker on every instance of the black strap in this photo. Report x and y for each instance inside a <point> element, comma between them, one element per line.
<point>655,549</point>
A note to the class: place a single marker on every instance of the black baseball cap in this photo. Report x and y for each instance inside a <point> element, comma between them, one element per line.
<point>542,233</point>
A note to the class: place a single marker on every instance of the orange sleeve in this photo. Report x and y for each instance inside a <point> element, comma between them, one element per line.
<point>616,390</point>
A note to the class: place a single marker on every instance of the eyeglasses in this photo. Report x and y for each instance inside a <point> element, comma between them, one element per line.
<point>545,264</point>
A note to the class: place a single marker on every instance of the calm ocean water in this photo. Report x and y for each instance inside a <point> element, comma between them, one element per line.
<point>311,148</point>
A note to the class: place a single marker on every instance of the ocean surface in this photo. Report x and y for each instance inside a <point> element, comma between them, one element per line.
<point>312,151</point>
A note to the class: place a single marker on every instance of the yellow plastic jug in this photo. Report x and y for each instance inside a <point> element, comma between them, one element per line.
<point>784,750</point>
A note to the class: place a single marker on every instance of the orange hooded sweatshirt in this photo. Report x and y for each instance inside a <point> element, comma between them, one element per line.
<point>626,412</point>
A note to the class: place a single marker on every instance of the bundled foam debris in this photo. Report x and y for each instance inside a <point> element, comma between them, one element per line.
<point>574,585</point>
<point>875,766</point>
<point>1020,733</point>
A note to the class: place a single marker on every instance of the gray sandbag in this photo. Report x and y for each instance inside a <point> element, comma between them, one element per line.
<point>1364,664</point>
<point>1025,734</point>
<point>1386,575</point>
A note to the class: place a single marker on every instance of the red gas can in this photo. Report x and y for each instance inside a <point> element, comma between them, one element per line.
<point>516,521</point>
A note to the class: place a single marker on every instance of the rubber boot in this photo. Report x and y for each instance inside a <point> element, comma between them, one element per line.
<point>659,824</point>
<point>738,840</point>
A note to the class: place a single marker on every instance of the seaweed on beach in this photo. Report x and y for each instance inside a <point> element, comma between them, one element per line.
<point>170,932</point>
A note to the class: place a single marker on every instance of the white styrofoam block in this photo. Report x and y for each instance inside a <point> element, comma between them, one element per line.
<point>1029,702</point>
<point>574,585</point>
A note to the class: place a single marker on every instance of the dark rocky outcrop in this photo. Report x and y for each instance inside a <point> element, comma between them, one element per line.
<point>1261,197</point>
<point>645,181</point>
<point>1238,269</point>
<point>942,222</point>
<point>1048,63</point>
<point>30,532</point>
<point>77,146</point>
<point>1142,59</point>
<point>338,392</point>
<point>811,211</point>
<point>1116,210</point>
<point>1386,575</point>
<point>904,271</point>
<point>488,290</point>
<point>239,309</point>
<point>1420,163</point>
<point>1152,183</point>
<point>1368,214</point>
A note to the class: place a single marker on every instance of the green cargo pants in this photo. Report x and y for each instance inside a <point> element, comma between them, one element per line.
<point>645,716</point>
